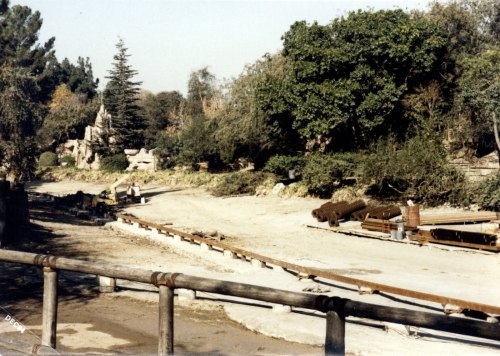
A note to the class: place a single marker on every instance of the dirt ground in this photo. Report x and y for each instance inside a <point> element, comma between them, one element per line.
<point>92,322</point>
<point>281,228</point>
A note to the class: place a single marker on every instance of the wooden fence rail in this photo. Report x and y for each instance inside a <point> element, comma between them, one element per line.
<point>337,309</point>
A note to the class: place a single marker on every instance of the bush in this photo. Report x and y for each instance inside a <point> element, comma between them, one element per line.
<point>167,148</point>
<point>280,164</point>
<point>48,159</point>
<point>68,161</point>
<point>416,170</point>
<point>239,183</point>
<point>488,194</point>
<point>114,163</point>
<point>323,172</point>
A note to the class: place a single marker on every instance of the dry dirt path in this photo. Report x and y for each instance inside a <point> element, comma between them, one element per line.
<point>277,227</point>
<point>126,321</point>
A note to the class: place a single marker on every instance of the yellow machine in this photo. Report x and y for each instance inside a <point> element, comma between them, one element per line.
<point>108,197</point>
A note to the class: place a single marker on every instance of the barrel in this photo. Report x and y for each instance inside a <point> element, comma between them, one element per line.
<point>412,216</point>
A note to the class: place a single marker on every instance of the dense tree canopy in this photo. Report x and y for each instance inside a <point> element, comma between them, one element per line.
<point>347,79</point>
<point>25,82</point>
<point>160,111</point>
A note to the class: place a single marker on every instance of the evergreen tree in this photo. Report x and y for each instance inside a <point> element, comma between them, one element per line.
<point>25,84</point>
<point>120,99</point>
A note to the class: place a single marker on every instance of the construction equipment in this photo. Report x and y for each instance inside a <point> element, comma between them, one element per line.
<point>108,197</point>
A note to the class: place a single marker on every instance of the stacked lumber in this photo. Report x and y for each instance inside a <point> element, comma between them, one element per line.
<point>380,225</point>
<point>388,212</point>
<point>459,238</point>
<point>457,218</point>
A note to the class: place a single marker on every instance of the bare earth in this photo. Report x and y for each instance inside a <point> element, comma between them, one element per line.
<point>276,227</point>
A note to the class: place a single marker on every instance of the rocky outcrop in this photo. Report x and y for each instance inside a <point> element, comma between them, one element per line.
<point>86,158</point>
<point>478,168</point>
<point>141,160</point>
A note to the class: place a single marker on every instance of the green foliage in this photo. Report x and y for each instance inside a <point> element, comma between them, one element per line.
<point>120,99</point>
<point>48,159</point>
<point>281,164</point>
<point>69,160</point>
<point>79,77</point>
<point>201,87</point>
<point>114,163</point>
<point>322,173</point>
<point>480,92</point>
<point>489,194</point>
<point>239,183</point>
<point>195,142</point>
<point>347,79</point>
<point>67,121</point>
<point>242,130</point>
<point>160,111</point>
<point>417,170</point>
<point>167,148</point>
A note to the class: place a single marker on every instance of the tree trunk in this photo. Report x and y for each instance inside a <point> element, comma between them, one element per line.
<point>497,139</point>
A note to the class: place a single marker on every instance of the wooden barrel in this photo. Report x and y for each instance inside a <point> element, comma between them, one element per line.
<point>412,215</point>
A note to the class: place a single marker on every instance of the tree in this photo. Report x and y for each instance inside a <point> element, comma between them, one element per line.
<point>19,28</point>
<point>120,99</point>
<point>67,118</point>
<point>243,128</point>
<point>79,78</point>
<point>471,27</point>
<point>346,80</point>
<point>25,83</point>
<point>159,112</point>
<point>20,117</point>
<point>201,88</point>
<point>480,90</point>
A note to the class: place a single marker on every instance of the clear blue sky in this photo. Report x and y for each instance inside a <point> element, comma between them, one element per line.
<point>167,40</point>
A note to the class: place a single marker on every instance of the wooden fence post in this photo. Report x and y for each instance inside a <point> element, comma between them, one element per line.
<point>166,321</point>
<point>335,334</point>
<point>49,320</point>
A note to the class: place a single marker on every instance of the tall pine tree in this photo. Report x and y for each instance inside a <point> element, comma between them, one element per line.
<point>25,72</point>
<point>120,99</point>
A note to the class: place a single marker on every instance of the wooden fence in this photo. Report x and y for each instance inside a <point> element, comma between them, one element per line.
<point>336,309</point>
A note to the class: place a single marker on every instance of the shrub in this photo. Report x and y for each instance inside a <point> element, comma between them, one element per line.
<point>48,159</point>
<point>488,194</point>
<point>239,183</point>
<point>281,164</point>
<point>323,172</point>
<point>167,148</point>
<point>416,170</point>
<point>68,161</point>
<point>114,163</point>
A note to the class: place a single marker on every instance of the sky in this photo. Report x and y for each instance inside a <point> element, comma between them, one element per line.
<point>167,39</point>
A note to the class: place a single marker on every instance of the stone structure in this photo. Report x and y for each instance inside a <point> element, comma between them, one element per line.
<point>478,168</point>
<point>86,158</point>
<point>141,160</point>
<point>81,150</point>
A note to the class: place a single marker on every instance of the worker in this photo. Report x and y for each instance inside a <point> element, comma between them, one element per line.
<point>133,192</point>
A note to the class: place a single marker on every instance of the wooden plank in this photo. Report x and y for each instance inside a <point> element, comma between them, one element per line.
<point>338,277</point>
<point>459,217</point>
